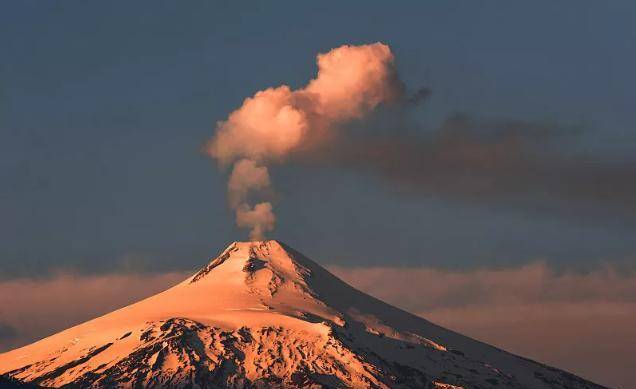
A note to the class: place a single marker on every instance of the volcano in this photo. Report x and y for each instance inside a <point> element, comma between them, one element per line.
<point>262,315</point>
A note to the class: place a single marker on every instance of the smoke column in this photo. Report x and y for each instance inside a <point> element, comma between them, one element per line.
<point>269,126</point>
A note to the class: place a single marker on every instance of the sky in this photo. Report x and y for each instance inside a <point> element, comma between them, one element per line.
<point>105,108</point>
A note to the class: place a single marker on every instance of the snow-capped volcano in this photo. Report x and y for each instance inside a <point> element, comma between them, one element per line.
<point>262,315</point>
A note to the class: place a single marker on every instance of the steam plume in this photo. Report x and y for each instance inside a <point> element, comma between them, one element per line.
<point>247,176</point>
<point>269,126</point>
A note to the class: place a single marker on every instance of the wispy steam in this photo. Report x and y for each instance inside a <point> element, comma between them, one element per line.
<point>268,127</point>
<point>247,177</point>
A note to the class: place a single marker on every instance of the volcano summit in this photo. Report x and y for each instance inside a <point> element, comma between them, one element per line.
<point>262,315</point>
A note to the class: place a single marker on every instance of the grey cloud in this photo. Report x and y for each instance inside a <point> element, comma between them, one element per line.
<point>6,331</point>
<point>525,164</point>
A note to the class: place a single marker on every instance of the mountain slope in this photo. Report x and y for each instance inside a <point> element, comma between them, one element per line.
<point>263,315</point>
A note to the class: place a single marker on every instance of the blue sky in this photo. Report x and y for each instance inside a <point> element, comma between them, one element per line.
<point>104,108</point>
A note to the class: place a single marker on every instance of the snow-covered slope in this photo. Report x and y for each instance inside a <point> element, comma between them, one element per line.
<point>263,315</point>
